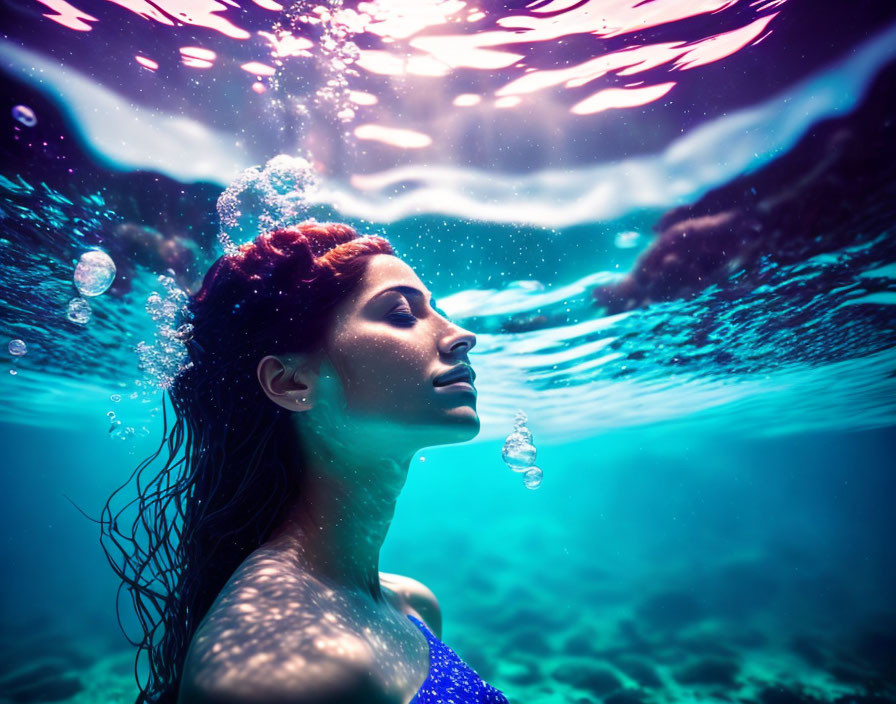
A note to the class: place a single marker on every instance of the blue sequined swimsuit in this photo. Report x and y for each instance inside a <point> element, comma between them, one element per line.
<point>450,679</point>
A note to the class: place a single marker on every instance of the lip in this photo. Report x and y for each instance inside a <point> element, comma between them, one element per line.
<point>467,375</point>
<point>457,387</point>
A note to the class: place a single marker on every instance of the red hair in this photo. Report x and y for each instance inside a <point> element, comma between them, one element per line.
<point>207,510</point>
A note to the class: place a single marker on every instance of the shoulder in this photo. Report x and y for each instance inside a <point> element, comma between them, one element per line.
<point>247,681</point>
<point>264,642</point>
<point>417,597</point>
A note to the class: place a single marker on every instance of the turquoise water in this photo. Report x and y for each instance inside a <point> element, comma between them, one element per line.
<point>691,299</point>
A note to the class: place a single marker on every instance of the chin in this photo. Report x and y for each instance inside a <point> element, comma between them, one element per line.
<point>460,428</point>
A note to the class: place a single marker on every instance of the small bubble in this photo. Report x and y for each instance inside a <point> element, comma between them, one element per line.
<point>25,115</point>
<point>78,311</point>
<point>532,478</point>
<point>115,398</point>
<point>17,347</point>
<point>13,372</point>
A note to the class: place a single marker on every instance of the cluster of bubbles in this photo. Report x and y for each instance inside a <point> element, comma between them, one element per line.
<point>24,115</point>
<point>164,357</point>
<point>94,273</point>
<point>336,53</point>
<point>519,452</point>
<point>262,199</point>
<point>337,56</point>
<point>161,359</point>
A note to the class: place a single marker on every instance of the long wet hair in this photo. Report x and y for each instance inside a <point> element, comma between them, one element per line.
<point>229,472</point>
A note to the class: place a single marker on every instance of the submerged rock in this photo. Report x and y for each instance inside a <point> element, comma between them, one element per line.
<point>42,680</point>
<point>779,694</point>
<point>641,672</point>
<point>585,674</point>
<point>832,190</point>
<point>626,696</point>
<point>709,671</point>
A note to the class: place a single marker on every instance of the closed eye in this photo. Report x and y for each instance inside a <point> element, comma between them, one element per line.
<point>402,316</point>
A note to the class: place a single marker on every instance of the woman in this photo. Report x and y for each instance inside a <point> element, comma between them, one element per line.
<point>318,367</point>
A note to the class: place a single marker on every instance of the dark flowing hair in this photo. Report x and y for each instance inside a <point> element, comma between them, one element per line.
<point>227,476</point>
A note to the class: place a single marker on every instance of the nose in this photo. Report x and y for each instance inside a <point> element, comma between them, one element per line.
<point>457,341</point>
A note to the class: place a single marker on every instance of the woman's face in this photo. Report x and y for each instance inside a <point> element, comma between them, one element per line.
<point>387,345</point>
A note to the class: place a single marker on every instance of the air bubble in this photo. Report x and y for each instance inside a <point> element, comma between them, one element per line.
<point>94,273</point>
<point>78,311</point>
<point>25,115</point>
<point>532,478</point>
<point>518,454</point>
<point>115,398</point>
<point>17,347</point>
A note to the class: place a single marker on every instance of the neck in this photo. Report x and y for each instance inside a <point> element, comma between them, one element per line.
<point>336,525</point>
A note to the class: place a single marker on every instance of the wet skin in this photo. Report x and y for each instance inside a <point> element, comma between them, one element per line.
<point>308,618</point>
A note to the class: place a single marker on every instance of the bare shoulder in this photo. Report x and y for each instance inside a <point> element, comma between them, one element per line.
<point>331,682</point>
<point>267,640</point>
<point>417,597</point>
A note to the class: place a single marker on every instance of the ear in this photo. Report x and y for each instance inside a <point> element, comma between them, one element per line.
<point>289,380</point>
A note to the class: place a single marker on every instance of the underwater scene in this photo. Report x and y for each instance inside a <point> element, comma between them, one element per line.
<point>669,224</point>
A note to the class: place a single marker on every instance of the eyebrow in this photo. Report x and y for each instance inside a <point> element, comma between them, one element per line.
<point>407,290</point>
